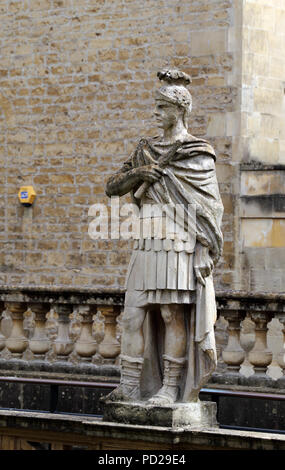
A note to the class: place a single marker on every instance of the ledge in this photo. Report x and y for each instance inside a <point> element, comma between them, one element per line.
<point>59,294</point>
<point>105,296</point>
<point>256,165</point>
<point>97,434</point>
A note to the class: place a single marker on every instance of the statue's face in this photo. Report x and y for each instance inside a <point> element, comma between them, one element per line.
<point>167,114</point>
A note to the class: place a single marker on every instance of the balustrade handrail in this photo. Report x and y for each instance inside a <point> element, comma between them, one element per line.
<point>226,300</point>
<point>59,382</point>
<point>112,385</point>
<point>245,296</point>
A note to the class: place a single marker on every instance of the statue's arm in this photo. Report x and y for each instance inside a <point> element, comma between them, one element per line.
<point>128,178</point>
<point>122,182</point>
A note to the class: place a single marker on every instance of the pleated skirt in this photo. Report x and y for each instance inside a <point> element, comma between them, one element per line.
<point>164,269</point>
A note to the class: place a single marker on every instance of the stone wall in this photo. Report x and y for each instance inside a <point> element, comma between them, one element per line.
<point>262,207</point>
<point>263,103</point>
<point>76,93</point>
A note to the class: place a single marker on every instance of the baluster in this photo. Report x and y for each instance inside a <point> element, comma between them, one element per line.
<point>63,345</point>
<point>17,341</point>
<point>86,345</point>
<point>233,355</point>
<point>2,337</point>
<point>39,343</point>
<point>110,347</point>
<point>221,336</point>
<point>260,356</point>
<point>247,340</point>
<point>281,355</point>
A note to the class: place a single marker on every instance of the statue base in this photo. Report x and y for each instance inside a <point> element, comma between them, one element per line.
<point>201,414</point>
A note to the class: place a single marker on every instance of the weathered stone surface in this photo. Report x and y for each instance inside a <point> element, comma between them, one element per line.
<point>167,270</point>
<point>196,415</point>
<point>61,101</point>
<point>265,232</point>
<point>92,432</point>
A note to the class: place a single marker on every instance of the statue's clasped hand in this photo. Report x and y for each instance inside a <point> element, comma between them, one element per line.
<point>203,263</point>
<point>149,173</point>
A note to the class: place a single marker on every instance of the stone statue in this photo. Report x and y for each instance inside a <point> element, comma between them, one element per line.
<point>168,346</point>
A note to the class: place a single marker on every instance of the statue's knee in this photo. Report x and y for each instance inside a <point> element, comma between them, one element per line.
<point>167,313</point>
<point>133,319</point>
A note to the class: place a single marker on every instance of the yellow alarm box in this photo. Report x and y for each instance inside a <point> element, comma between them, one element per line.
<point>27,195</point>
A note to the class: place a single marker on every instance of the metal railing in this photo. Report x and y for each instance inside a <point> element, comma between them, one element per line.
<point>214,393</point>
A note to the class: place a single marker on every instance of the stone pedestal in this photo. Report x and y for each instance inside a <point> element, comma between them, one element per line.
<point>201,415</point>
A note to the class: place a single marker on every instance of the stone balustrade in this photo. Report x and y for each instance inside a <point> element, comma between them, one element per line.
<point>251,322</point>
<point>58,330</point>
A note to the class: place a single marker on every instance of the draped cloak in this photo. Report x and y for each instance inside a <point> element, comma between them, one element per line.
<point>189,178</point>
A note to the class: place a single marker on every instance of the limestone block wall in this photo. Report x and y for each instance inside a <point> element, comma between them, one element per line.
<point>263,105</point>
<point>76,93</point>
<point>262,207</point>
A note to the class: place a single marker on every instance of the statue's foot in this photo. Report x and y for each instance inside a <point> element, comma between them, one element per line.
<point>165,396</point>
<point>123,393</point>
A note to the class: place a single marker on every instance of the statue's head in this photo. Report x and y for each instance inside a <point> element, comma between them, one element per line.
<point>174,92</point>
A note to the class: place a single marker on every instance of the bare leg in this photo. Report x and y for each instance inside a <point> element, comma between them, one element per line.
<point>174,354</point>
<point>131,355</point>
<point>132,335</point>
<point>175,334</point>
